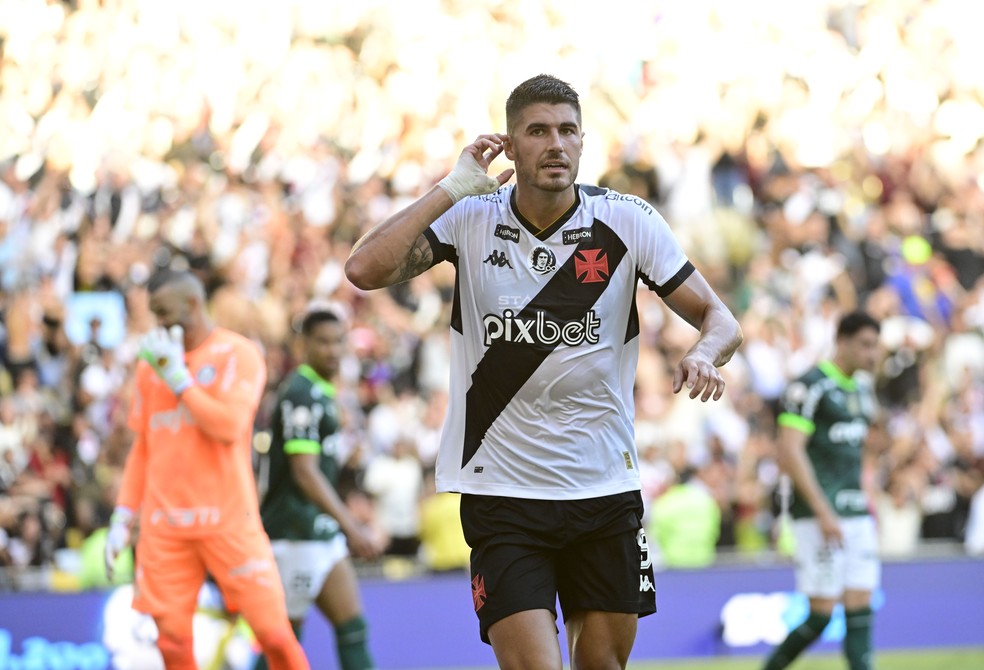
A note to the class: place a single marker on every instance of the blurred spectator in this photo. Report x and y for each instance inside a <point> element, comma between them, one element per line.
<point>685,521</point>
<point>442,540</point>
<point>395,480</point>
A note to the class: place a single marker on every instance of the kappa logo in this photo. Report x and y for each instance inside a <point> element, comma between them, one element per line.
<point>591,266</point>
<point>504,232</point>
<point>478,591</point>
<point>498,259</point>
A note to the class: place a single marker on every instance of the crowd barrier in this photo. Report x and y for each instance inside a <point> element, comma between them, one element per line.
<point>428,622</point>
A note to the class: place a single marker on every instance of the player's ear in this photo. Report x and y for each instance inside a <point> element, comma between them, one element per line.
<point>508,147</point>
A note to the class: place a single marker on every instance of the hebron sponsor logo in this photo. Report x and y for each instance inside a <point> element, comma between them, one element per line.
<point>505,232</point>
<point>540,329</point>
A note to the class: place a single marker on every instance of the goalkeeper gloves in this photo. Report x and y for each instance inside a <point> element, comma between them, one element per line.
<point>164,350</point>
<point>467,178</point>
<point>118,537</point>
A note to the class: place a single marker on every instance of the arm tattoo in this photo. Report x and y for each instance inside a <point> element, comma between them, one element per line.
<point>418,259</point>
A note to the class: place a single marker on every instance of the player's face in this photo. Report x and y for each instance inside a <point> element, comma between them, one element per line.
<point>545,145</point>
<point>860,351</point>
<point>171,307</point>
<point>325,347</point>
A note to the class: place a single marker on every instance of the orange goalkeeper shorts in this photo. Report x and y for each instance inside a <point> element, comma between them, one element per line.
<point>170,572</point>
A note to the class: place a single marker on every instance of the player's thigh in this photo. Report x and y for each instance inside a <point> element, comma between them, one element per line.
<point>513,557</point>
<point>169,573</point>
<point>862,567</point>
<point>819,566</point>
<point>526,640</point>
<point>242,564</point>
<point>339,599</point>
<point>304,566</point>
<point>609,568</point>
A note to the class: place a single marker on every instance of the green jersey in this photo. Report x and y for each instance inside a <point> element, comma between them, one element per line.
<point>305,421</point>
<point>834,411</point>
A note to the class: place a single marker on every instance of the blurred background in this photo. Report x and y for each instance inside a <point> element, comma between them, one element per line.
<point>812,157</point>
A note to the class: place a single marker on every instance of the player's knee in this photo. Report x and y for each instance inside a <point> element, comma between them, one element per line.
<point>587,657</point>
<point>276,637</point>
<point>178,650</point>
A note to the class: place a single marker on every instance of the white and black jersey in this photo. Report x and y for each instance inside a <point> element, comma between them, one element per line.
<point>544,342</point>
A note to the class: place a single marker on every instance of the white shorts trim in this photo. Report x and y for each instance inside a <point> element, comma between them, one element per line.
<point>826,572</point>
<point>304,566</point>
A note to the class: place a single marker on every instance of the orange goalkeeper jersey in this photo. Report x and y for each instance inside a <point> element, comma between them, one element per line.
<point>190,471</point>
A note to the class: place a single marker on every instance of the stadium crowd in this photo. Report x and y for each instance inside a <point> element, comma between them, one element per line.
<point>812,157</point>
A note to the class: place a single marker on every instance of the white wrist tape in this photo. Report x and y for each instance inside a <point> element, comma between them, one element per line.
<point>467,178</point>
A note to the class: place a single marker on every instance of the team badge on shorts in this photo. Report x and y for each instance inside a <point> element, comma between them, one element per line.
<point>478,591</point>
<point>542,260</point>
<point>205,375</point>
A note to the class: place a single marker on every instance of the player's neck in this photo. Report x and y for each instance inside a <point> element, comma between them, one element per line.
<point>847,370</point>
<point>195,336</point>
<point>543,208</point>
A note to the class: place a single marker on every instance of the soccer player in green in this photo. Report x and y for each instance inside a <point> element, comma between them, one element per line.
<point>307,522</point>
<point>822,431</point>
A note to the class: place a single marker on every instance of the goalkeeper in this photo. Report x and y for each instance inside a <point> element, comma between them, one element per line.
<point>189,478</point>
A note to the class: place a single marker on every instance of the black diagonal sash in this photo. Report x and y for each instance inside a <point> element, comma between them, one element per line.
<point>507,366</point>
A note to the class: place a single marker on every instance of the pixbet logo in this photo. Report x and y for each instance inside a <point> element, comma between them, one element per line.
<point>540,329</point>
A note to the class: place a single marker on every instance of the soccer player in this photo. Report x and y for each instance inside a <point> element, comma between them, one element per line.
<point>301,511</point>
<point>189,477</point>
<point>822,446</point>
<point>538,436</point>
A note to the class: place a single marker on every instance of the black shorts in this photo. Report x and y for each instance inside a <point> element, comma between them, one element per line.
<point>591,553</point>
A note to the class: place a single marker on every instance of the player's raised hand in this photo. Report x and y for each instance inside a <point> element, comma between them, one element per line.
<point>700,376</point>
<point>470,174</point>
<point>164,350</point>
<point>118,537</point>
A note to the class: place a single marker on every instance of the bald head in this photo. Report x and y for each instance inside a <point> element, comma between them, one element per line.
<point>177,298</point>
<point>178,282</point>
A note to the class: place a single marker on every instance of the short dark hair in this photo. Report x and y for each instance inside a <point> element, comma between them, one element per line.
<point>541,88</point>
<point>316,317</point>
<point>854,322</point>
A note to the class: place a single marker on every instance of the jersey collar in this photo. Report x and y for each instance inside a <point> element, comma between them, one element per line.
<point>308,373</point>
<point>830,369</point>
<point>553,227</point>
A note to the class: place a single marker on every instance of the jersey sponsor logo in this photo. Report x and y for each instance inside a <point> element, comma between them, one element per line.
<point>186,517</point>
<point>848,431</point>
<point>504,232</point>
<point>205,375</point>
<point>542,260</point>
<point>612,195</point>
<point>478,591</point>
<point>498,259</point>
<point>576,235</point>
<point>591,266</point>
<point>540,329</point>
<point>172,419</point>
